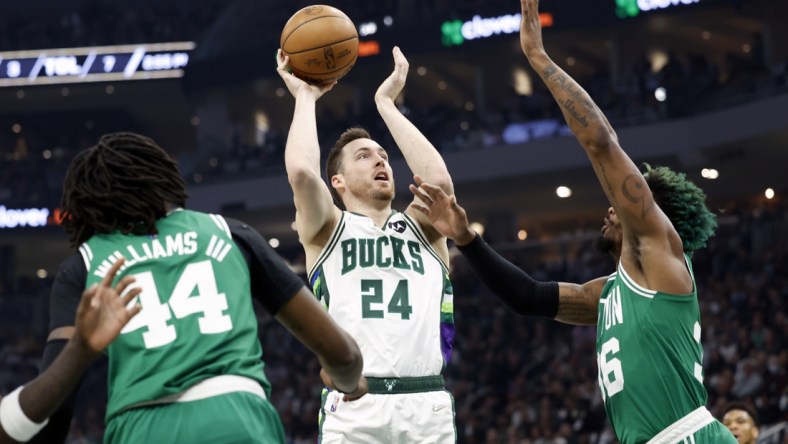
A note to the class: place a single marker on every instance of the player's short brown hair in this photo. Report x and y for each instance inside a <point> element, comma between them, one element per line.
<point>334,159</point>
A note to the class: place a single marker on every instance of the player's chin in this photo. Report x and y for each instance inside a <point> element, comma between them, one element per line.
<point>386,194</point>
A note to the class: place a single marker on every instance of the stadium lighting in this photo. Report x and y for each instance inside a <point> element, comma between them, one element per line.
<point>769,193</point>
<point>563,192</point>
<point>709,173</point>
<point>660,94</point>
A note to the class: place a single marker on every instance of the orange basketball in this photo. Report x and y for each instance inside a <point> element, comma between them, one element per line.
<point>322,44</point>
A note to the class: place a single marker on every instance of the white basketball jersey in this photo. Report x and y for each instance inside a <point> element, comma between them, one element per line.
<point>388,288</point>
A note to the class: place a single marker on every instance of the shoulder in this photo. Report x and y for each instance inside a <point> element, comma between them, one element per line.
<point>74,268</point>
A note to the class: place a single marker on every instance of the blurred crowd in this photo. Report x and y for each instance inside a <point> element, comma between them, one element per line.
<point>519,380</point>
<point>97,23</point>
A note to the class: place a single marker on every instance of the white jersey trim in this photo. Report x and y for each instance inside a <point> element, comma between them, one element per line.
<point>87,254</point>
<point>332,241</point>
<point>629,282</point>
<point>222,224</point>
<point>684,427</point>
<point>208,388</point>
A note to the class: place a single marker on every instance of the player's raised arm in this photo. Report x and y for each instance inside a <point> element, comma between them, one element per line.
<point>101,315</point>
<point>623,183</point>
<point>562,301</point>
<point>315,210</point>
<point>421,156</point>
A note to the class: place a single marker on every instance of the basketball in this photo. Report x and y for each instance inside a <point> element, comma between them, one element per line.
<point>322,43</point>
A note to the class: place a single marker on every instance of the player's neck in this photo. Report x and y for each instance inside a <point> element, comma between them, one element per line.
<point>378,211</point>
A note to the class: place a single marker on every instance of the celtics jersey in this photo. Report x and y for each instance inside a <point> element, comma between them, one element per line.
<point>387,287</point>
<point>649,355</point>
<point>196,321</point>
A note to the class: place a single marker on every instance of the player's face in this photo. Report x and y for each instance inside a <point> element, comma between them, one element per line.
<point>612,233</point>
<point>741,425</point>
<point>366,170</point>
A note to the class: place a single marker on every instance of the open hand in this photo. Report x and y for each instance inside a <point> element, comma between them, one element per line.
<point>530,28</point>
<point>447,217</point>
<point>296,85</point>
<point>102,312</point>
<point>392,86</point>
<point>360,391</point>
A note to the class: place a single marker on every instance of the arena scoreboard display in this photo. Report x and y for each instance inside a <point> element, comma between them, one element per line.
<point>94,64</point>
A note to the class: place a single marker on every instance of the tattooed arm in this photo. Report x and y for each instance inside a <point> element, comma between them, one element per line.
<point>648,235</point>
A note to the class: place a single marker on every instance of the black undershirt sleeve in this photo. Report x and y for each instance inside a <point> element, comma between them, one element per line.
<point>272,282</point>
<point>63,302</point>
<point>67,291</point>
<point>510,284</point>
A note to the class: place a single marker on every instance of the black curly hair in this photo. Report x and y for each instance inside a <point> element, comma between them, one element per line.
<point>124,182</point>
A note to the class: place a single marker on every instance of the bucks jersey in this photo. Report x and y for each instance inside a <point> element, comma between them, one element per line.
<point>196,321</point>
<point>387,287</point>
<point>649,355</point>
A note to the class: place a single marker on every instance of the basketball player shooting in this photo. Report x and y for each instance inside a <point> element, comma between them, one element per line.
<point>380,273</point>
<point>648,322</point>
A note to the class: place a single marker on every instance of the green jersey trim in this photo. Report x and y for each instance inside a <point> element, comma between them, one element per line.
<point>423,239</point>
<point>332,242</point>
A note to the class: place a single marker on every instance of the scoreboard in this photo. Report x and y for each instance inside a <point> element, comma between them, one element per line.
<point>94,64</point>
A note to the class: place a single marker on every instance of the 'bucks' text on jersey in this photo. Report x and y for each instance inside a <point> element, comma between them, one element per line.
<point>388,288</point>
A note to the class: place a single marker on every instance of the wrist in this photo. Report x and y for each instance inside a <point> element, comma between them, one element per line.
<point>465,238</point>
<point>81,350</point>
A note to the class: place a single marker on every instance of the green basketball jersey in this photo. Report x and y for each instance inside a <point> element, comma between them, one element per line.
<point>196,321</point>
<point>649,356</point>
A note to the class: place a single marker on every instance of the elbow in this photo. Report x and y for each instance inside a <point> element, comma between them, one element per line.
<point>599,143</point>
<point>299,175</point>
<point>442,180</point>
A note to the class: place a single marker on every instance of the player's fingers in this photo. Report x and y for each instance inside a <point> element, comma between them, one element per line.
<point>110,276</point>
<point>422,209</point>
<point>133,311</point>
<point>125,282</point>
<point>435,193</point>
<point>94,299</point>
<point>418,192</point>
<point>128,297</point>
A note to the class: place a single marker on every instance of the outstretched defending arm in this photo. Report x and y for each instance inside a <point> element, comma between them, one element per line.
<point>651,248</point>
<point>102,313</point>
<point>624,185</point>
<point>565,302</point>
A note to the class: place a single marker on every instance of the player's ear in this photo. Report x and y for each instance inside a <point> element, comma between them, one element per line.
<point>337,180</point>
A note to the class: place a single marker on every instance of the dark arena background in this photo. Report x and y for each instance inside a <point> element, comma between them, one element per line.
<point>697,85</point>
